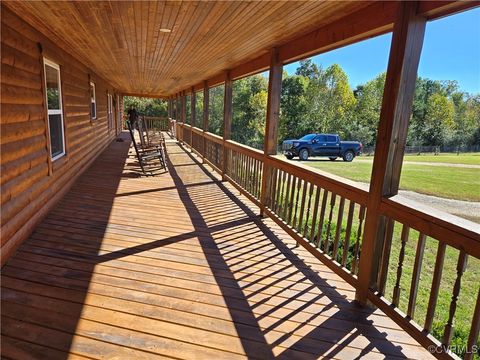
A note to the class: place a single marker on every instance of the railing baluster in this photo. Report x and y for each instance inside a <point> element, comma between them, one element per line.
<point>385,257</point>
<point>256,173</point>
<point>309,205</point>
<point>361,218</point>
<point>292,198</point>
<point>474,330</point>
<point>246,161</point>
<point>242,170</point>
<point>417,266</point>
<point>461,265</point>
<point>326,243</point>
<point>239,168</point>
<point>302,206</point>
<point>348,231</point>
<point>322,217</point>
<point>253,175</point>
<point>315,213</point>
<point>401,257</point>
<point>282,204</point>
<point>287,198</point>
<point>437,276</point>
<point>262,170</point>
<point>299,189</point>
<point>338,228</point>
<point>245,171</point>
<point>278,194</point>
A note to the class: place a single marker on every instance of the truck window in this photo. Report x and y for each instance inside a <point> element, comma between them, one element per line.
<point>331,139</point>
<point>321,138</point>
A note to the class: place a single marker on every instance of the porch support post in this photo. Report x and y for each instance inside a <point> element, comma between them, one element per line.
<point>227,118</point>
<point>271,126</point>
<point>192,116</point>
<point>183,103</point>
<point>407,41</point>
<point>206,102</point>
<point>184,107</point>
<point>192,108</point>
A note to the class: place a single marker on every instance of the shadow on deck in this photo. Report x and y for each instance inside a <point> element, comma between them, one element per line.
<point>177,265</point>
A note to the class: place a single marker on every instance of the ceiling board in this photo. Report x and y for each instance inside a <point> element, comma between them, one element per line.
<point>121,41</point>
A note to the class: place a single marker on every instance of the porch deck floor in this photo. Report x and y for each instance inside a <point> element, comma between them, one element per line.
<point>177,266</point>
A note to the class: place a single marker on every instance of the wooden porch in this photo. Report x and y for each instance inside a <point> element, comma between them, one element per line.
<point>178,265</point>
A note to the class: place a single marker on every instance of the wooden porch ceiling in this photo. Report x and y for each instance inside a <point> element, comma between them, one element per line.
<point>122,41</point>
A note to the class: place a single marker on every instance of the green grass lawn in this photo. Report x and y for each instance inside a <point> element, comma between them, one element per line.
<point>470,159</point>
<point>442,181</point>
<point>465,158</point>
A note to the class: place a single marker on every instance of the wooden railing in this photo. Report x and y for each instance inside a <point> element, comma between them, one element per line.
<point>156,123</point>
<point>412,232</point>
<point>326,214</point>
<point>323,214</point>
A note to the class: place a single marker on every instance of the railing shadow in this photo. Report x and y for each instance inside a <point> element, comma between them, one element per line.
<point>348,322</point>
<point>279,307</point>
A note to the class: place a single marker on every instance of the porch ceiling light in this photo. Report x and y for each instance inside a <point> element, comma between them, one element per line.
<point>165,30</point>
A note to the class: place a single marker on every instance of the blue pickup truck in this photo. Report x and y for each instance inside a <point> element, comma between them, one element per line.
<point>328,145</point>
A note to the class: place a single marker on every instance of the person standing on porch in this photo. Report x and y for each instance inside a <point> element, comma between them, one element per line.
<point>133,117</point>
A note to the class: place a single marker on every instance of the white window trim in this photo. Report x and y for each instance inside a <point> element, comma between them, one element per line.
<point>94,100</point>
<point>110,111</point>
<point>50,63</point>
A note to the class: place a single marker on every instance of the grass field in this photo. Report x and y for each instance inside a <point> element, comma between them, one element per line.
<point>469,159</point>
<point>442,181</point>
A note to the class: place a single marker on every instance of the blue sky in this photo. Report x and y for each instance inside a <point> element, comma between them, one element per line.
<point>451,51</point>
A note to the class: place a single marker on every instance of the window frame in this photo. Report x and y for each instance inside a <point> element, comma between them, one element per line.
<point>52,64</point>
<point>92,84</point>
<point>110,111</point>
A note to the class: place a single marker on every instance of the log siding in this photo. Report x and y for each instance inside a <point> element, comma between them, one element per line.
<point>30,183</point>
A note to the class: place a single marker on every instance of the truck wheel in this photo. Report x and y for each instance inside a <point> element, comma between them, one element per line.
<point>333,158</point>
<point>303,154</point>
<point>289,157</point>
<point>348,156</point>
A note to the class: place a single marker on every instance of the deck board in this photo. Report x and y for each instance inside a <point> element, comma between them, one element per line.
<point>177,266</point>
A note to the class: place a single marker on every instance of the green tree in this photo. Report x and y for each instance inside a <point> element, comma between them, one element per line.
<point>146,106</point>
<point>339,101</point>
<point>215,109</point>
<point>199,109</point>
<point>293,106</point>
<point>438,119</point>
<point>363,126</point>
<point>330,101</point>
<point>308,69</point>
<point>249,110</point>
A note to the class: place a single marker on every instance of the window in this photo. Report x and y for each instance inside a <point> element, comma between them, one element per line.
<point>110,111</point>
<point>53,93</point>
<point>93,101</point>
<point>331,139</point>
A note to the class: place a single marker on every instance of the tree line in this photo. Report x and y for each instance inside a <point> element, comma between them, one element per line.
<point>321,100</point>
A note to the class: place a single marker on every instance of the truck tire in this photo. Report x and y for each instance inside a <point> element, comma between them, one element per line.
<point>303,154</point>
<point>333,158</point>
<point>348,156</point>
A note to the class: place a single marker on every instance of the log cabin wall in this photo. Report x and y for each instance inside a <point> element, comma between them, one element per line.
<point>31,184</point>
